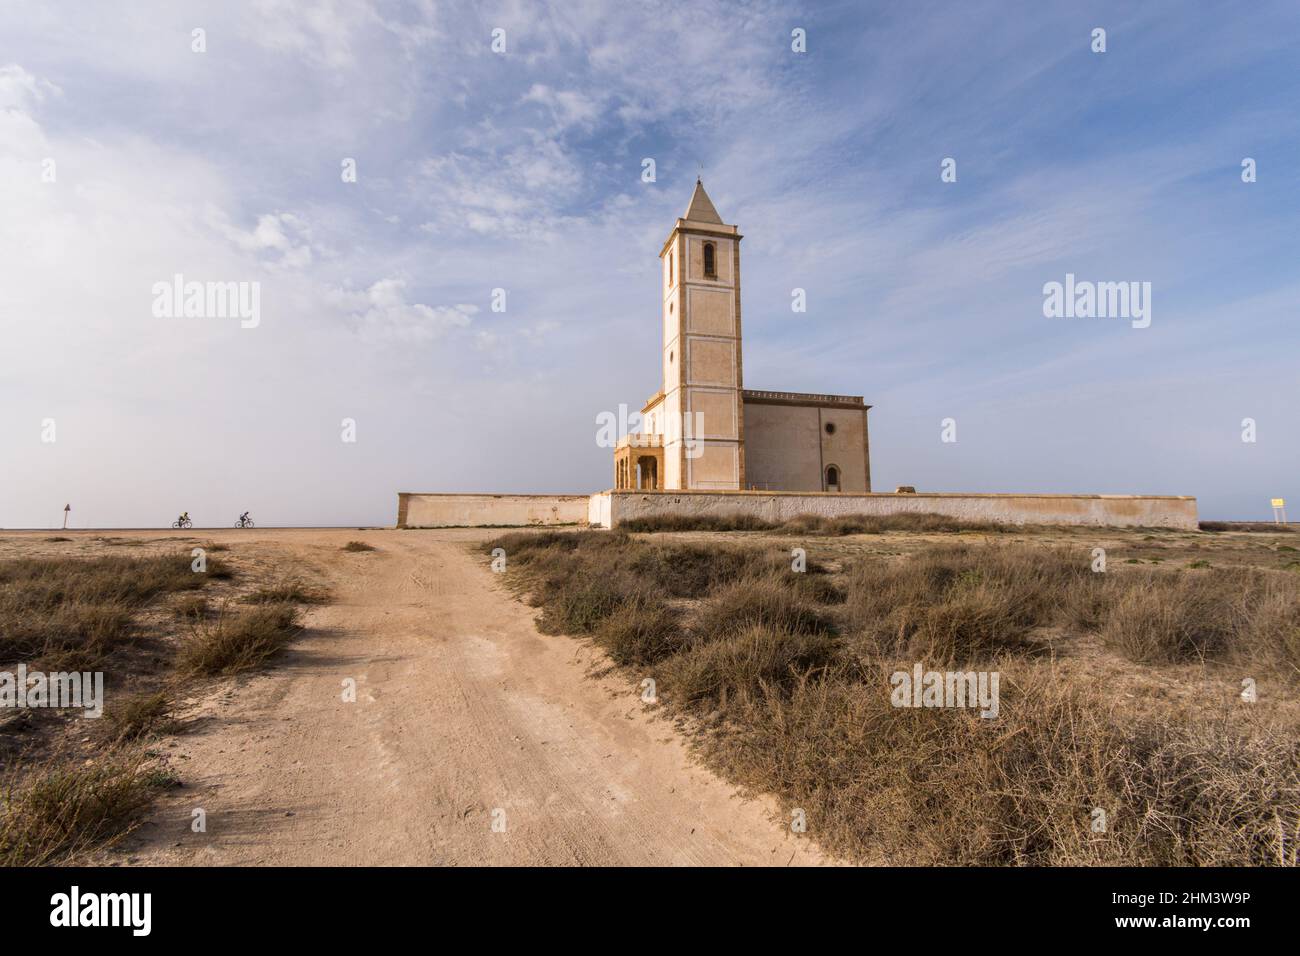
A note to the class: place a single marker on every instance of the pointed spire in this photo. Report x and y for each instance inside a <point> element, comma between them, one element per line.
<point>701,207</point>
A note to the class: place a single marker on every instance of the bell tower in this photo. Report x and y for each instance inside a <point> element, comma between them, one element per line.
<point>702,406</point>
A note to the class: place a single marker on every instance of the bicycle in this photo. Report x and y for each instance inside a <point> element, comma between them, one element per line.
<point>244,521</point>
<point>183,522</point>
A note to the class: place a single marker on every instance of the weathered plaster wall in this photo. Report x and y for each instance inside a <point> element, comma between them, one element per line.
<point>787,447</point>
<point>467,511</point>
<point>1152,511</point>
<point>846,446</point>
<point>782,448</point>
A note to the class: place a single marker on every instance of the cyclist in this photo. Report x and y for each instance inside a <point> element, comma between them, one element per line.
<point>243,518</point>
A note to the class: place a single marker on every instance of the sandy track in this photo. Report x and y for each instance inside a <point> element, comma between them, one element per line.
<point>462,709</point>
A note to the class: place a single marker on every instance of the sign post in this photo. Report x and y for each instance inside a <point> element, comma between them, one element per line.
<point>66,509</point>
<point>1279,511</point>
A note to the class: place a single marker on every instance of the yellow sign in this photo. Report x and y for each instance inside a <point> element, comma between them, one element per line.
<point>1279,502</point>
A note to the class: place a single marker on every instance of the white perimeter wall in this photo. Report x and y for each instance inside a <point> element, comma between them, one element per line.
<point>608,508</point>
<point>598,510</point>
<point>1150,511</point>
<point>468,511</point>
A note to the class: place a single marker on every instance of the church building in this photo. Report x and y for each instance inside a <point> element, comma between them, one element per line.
<point>703,430</point>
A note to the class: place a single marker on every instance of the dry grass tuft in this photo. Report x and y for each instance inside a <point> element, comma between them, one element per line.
<point>771,603</point>
<point>359,546</point>
<point>582,608</point>
<point>191,607</point>
<point>731,669</point>
<point>737,521</point>
<point>144,715</point>
<point>1226,614</point>
<point>236,643</point>
<point>642,630</point>
<point>945,787</point>
<point>919,523</point>
<point>292,592</point>
<point>47,818</point>
<point>959,603</point>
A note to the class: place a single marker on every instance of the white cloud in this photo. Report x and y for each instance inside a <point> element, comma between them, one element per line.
<point>382,314</point>
<point>567,107</point>
<point>281,233</point>
<point>519,194</point>
<point>321,31</point>
<point>20,90</point>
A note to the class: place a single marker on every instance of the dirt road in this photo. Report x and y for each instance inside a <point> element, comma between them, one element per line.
<point>464,715</point>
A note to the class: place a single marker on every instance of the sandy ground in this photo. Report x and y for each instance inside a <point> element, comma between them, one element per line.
<point>464,714</point>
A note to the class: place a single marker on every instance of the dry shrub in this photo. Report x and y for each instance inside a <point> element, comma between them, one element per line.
<point>519,544</point>
<point>580,606</point>
<point>817,586</point>
<point>670,569</point>
<point>580,578</point>
<point>689,570</point>
<point>964,602</point>
<point>619,589</point>
<point>961,602</point>
<point>735,521</point>
<point>752,660</point>
<point>141,716</point>
<point>542,562</point>
<point>526,546</point>
<point>768,602</point>
<point>235,643</point>
<point>1217,794</point>
<point>358,546</point>
<point>52,813</point>
<point>918,523</point>
<point>288,592</point>
<point>191,607</point>
<point>1223,614</point>
<point>218,570</point>
<point>642,630</point>
<point>935,786</point>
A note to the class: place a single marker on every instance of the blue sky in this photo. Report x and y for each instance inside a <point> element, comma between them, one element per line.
<point>522,171</point>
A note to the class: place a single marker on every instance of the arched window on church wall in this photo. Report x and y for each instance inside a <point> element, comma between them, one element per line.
<point>710,261</point>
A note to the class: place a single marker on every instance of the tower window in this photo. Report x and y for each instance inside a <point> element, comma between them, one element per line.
<point>670,268</point>
<point>710,261</point>
<point>832,478</point>
<point>830,428</point>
